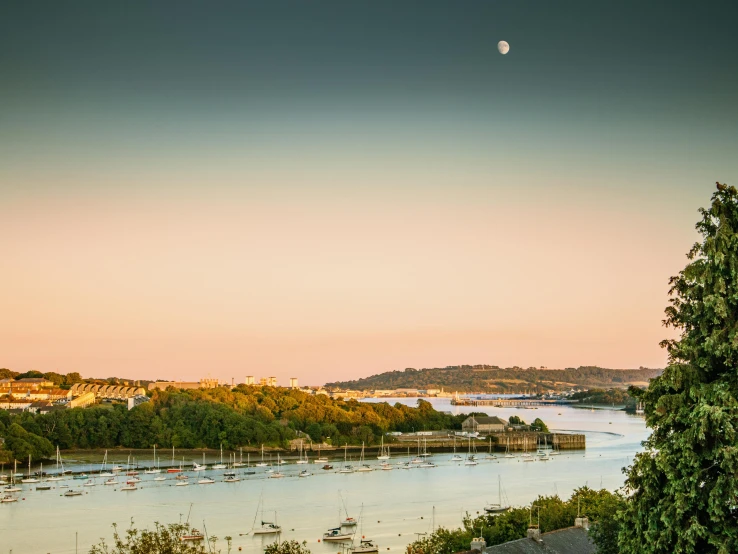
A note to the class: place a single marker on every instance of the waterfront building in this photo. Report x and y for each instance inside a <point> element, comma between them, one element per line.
<point>480,424</point>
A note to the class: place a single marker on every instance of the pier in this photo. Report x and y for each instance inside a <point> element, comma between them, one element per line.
<point>509,402</point>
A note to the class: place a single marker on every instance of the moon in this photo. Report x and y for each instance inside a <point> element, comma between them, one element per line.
<point>503,47</point>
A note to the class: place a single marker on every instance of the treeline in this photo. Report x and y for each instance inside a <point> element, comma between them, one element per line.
<point>485,378</point>
<point>607,397</point>
<point>550,512</point>
<point>59,379</point>
<point>240,417</point>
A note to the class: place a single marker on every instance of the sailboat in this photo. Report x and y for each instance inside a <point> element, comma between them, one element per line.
<point>347,468</point>
<point>238,463</point>
<point>221,465</point>
<point>206,481</point>
<point>155,468</point>
<point>262,463</point>
<point>302,460</point>
<point>29,479</point>
<point>174,469</point>
<point>44,486</point>
<point>470,458</point>
<point>277,474</point>
<point>498,508</point>
<point>554,451</point>
<point>417,459</point>
<point>382,454</point>
<point>489,455</point>
<point>200,467</point>
<point>12,487</point>
<point>104,472</point>
<point>507,449</point>
<point>266,527</point>
<point>363,467</point>
<point>456,457</point>
<point>337,533</point>
<point>348,521</point>
<point>321,459</point>
<point>366,546</point>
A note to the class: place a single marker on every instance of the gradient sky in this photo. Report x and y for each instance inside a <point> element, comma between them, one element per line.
<point>329,190</point>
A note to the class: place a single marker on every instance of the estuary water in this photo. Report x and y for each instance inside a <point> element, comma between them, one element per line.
<point>393,505</point>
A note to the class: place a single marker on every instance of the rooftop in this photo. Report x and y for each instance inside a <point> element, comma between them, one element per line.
<point>572,540</point>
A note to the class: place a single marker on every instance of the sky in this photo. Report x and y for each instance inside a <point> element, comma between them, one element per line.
<point>329,190</point>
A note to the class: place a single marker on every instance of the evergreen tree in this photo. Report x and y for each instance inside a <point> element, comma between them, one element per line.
<point>684,486</point>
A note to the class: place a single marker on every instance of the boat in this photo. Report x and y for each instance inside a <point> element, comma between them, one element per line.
<point>347,468</point>
<point>347,521</point>
<point>456,457</point>
<point>382,454</point>
<point>239,463</point>
<point>111,481</point>
<point>90,483</point>
<point>366,546</point>
<point>43,487</point>
<point>155,467</point>
<point>386,466</point>
<point>193,536</point>
<point>266,527</point>
<point>133,480</point>
<point>206,481</point>
<point>8,498</point>
<point>160,478</point>
<point>499,508</point>
<point>103,471</point>
<point>280,461</point>
<point>174,469</point>
<point>72,492</point>
<point>363,467</point>
<point>182,477</point>
<point>29,479</point>
<point>425,453</point>
<point>182,484</point>
<point>543,451</point>
<point>525,449</point>
<point>81,476</point>
<point>302,460</point>
<point>327,466</point>
<point>231,479</point>
<point>321,459</point>
<point>507,449</point>
<point>230,473</point>
<point>337,534</point>
<point>276,475</point>
<point>131,487</point>
<point>489,455</point>
<point>221,465</point>
<point>304,473</point>
<point>471,459</point>
<point>427,464</point>
<point>262,463</point>
<point>200,467</point>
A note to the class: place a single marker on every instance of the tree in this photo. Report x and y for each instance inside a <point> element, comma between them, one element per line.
<point>684,491</point>
<point>515,420</point>
<point>538,425</point>
<point>163,539</point>
<point>287,547</point>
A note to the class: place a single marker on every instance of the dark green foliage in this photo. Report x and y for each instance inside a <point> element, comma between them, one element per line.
<point>21,444</point>
<point>538,425</point>
<point>494,379</point>
<point>242,417</point>
<point>607,397</point>
<point>684,490</point>
<point>515,420</point>
<point>287,547</point>
<point>553,512</point>
<point>164,539</point>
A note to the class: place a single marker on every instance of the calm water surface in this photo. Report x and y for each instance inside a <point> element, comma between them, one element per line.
<point>396,504</point>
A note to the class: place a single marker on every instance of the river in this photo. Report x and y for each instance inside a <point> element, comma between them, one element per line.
<point>396,504</point>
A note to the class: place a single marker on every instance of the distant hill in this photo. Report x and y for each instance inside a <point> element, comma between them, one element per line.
<point>486,378</point>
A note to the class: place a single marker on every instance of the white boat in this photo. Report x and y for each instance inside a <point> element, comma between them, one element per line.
<point>104,472</point>
<point>471,459</point>
<point>489,455</point>
<point>366,546</point>
<point>206,481</point>
<point>321,459</point>
<point>160,478</point>
<point>239,463</point>
<point>337,535</point>
<point>456,457</point>
<point>347,521</point>
<point>498,508</point>
<point>231,479</point>
<point>276,475</point>
<point>8,498</point>
<point>304,473</point>
<point>262,463</point>
<point>29,479</point>
<point>525,454</point>
<point>507,449</point>
<point>182,484</point>
<point>155,468</point>
<point>302,460</point>
<point>72,492</point>
<point>266,527</point>
<point>221,465</point>
<point>129,488</point>
<point>111,481</point>
<point>427,464</point>
<point>386,466</point>
<point>347,468</point>
<point>363,467</point>
<point>382,454</point>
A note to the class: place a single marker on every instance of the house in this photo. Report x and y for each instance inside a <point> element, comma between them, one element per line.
<point>572,540</point>
<point>482,424</point>
<point>35,382</point>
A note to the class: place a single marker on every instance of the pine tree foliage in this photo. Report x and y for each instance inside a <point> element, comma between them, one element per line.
<point>684,486</point>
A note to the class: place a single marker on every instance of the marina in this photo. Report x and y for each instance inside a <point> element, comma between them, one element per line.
<point>396,504</point>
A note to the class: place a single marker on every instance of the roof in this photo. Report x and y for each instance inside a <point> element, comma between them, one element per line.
<point>572,540</point>
<point>494,420</point>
